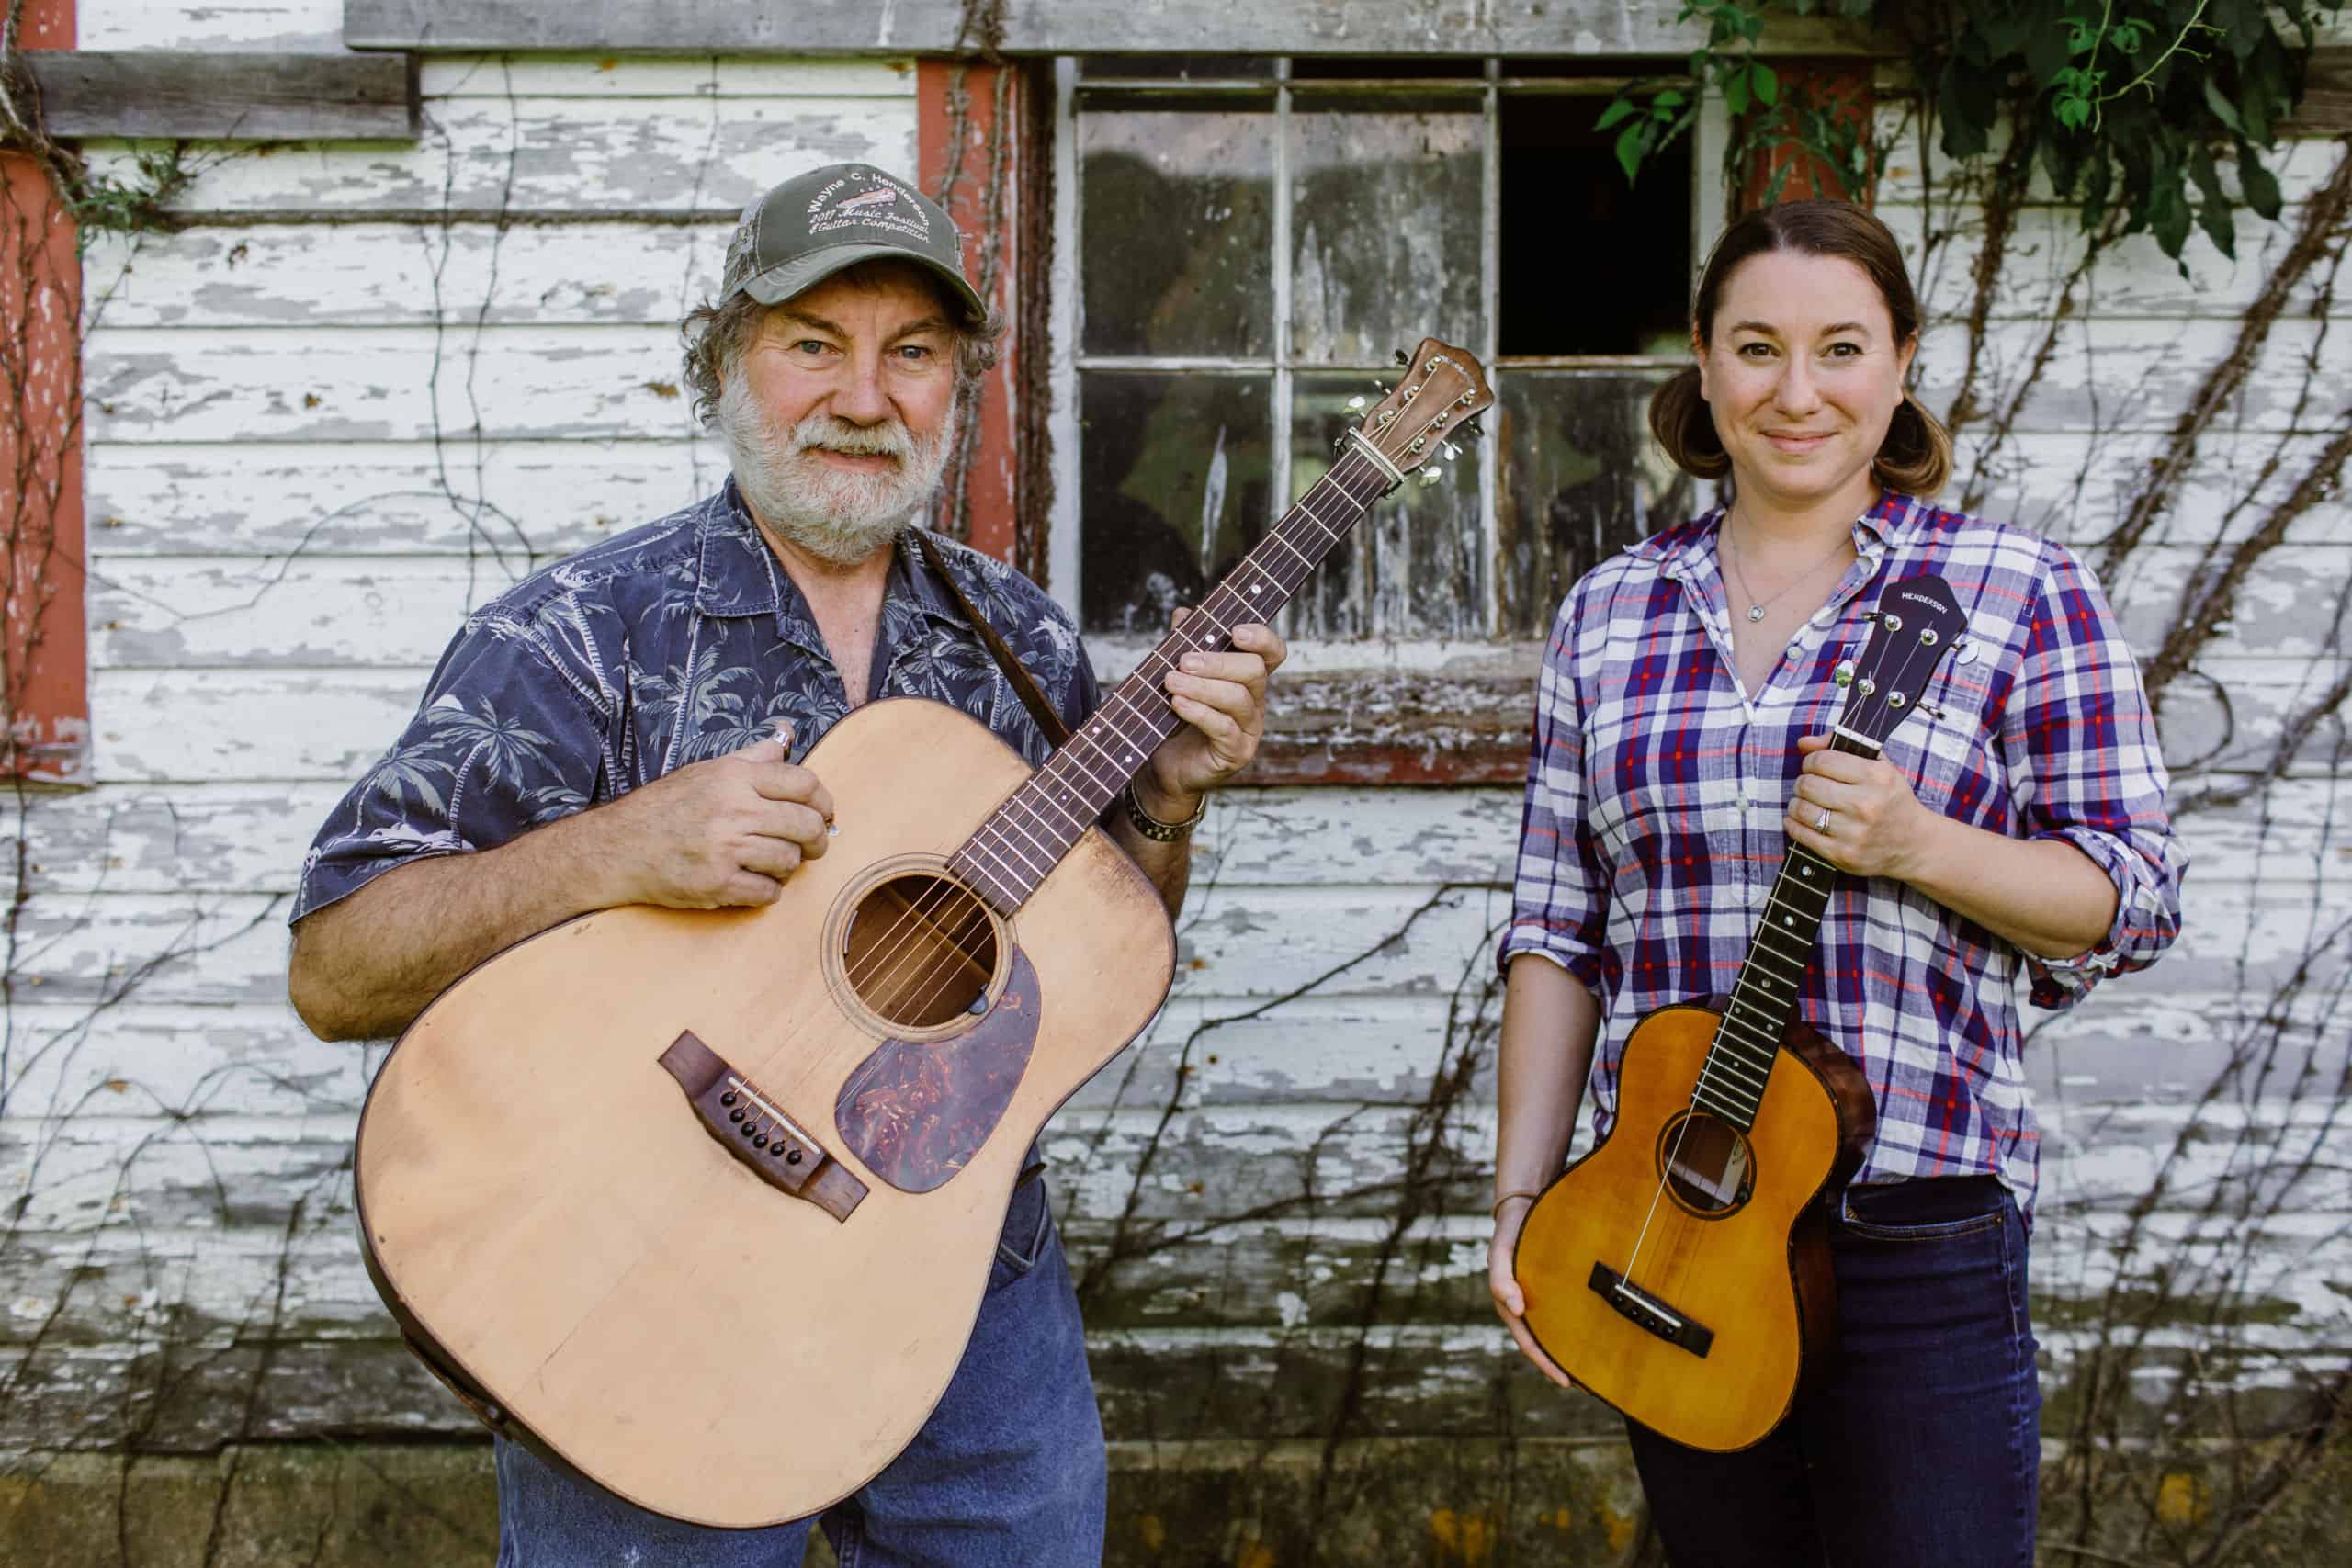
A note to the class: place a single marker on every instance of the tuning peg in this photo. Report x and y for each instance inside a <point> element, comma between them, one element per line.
<point>1472,429</point>
<point>1932,711</point>
<point>1452,452</point>
<point>1429,477</point>
<point>1403,357</point>
<point>1358,401</point>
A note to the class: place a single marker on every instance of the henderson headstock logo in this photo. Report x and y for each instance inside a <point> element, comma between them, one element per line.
<point>868,201</point>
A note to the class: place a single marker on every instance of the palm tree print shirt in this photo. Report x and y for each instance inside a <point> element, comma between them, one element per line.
<point>676,641</point>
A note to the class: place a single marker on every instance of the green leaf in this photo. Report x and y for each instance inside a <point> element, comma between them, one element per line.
<point>1630,151</point>
<point>1767,85</point>
<point>1619,107</point>
<point>2223,110</point>
<point>1668,99</point>
<point>2213,217</point>
<point>2261,186</point>
<point>2045,53</point>
<point>1736,93</point>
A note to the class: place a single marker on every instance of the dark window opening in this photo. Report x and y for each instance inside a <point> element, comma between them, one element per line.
<point>1384,68</point>
<point>1590,264</point>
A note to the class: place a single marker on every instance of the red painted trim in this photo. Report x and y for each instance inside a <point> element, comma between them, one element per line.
<point>1839,82</point>
<point>44,647</point>
<point>993,485</point>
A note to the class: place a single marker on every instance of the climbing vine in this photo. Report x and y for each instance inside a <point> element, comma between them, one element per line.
<point>2136,110</point>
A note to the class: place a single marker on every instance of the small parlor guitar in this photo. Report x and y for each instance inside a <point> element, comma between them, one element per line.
<point>1680,1270</point>
<point>703,1202</point>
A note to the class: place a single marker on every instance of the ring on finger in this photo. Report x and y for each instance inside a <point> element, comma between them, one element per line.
<point>1821,824</point>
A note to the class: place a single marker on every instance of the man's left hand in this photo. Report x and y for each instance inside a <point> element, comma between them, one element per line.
<point>1221,697</point>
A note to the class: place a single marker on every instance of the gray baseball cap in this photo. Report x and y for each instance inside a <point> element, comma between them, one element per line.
<point>807,229</point>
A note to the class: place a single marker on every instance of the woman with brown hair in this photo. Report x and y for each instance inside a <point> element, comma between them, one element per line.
<point>2016,841</point>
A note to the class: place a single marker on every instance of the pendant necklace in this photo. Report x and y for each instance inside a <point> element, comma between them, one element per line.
<point>1756,607</point>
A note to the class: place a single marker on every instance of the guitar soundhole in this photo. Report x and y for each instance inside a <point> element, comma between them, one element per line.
<point>920,950</point>
<point>1706,1163</point>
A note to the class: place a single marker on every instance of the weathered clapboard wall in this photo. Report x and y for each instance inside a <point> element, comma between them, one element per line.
<point>368,386</point>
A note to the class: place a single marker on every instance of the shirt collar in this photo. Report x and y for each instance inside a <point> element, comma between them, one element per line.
<point>739,574</point>
<point>1679,550</point>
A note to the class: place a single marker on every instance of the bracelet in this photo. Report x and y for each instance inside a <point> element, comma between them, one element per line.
<point>1152,827</point>
<point>1497,1212</point>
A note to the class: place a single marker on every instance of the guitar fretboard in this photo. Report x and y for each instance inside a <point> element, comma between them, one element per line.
<point>1040,822</point>
<point>1764,999</point>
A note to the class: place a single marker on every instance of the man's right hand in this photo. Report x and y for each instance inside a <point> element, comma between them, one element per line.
<point>717,834</point>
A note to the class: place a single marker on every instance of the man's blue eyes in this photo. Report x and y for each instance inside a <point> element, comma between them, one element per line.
<point>810,346</point>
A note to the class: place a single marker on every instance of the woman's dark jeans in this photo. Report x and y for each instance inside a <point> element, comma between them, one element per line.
<point>1920,1444</point>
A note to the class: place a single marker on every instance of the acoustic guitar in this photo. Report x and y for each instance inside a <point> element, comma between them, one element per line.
<point>1682,1270</point>
<point>702,1203</point>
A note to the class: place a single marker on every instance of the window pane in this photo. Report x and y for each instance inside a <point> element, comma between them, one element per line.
<point>1176,227</point>
<point>1383,227</point>
<point>1581,478</point>
<point>1589,264</point>
<point>1415,567</point>
<point>1173,487</point>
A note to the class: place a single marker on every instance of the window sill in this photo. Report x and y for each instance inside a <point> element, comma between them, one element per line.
<point>1395,727</point>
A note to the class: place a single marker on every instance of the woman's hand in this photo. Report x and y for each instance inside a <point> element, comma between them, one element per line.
<point>1502,1282</point>
<point>1857,813</point>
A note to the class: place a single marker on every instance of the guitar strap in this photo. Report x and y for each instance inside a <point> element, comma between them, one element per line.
<point>1048,721</point>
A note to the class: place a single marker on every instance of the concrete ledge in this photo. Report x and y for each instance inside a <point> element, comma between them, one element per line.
<point>1437,1502</point>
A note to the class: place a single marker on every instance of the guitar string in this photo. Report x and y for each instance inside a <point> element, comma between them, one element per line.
<point>1659,1286</point>
<point>787,1084</point>
<point>940,970</point>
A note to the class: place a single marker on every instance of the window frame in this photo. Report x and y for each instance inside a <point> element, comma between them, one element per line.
<point>1113,651</point>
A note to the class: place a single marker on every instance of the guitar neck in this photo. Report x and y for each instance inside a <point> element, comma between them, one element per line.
<point>1040,823</point>
<point>1764,999</point>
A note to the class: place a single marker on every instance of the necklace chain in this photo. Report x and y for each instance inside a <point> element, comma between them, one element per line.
<point>1756,607</point>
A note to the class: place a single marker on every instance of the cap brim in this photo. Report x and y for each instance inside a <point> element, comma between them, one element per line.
<point>779,284</point>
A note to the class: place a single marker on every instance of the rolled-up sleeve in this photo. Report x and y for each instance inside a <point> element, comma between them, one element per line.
<point>2080,718</point>
<point>502,742</point>
<point>1557,904</point>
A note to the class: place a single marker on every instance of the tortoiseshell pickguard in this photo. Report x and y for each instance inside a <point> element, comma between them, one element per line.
<point>917,1113</point>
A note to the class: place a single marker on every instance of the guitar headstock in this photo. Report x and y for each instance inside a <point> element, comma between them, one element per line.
<point>1442,389</point>
<point>1916,624</point>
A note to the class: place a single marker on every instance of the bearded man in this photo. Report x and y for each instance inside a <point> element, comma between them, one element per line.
<point>629,725</point>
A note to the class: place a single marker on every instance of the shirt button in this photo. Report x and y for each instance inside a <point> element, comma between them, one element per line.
<point>1792,656</point>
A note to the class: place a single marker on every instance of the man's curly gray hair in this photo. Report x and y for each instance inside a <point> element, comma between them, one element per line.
<point>716,336</point>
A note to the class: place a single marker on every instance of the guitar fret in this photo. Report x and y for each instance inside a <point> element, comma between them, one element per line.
<point>1050,844</point>
<point>1051,811</point>
<point>1740,1115</point>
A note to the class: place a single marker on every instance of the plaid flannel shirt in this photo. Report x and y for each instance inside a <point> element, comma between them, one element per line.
<point>1655,791</point>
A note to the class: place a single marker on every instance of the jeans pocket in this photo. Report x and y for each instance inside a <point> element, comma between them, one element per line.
<point>1028,1225</point>
<point>1930,1209</point>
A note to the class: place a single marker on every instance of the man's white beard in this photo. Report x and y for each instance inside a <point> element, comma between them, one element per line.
<point>834,516</point>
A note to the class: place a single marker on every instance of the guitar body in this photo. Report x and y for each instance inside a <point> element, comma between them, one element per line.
<point>1730,1293</point>
<point>578,1244</point>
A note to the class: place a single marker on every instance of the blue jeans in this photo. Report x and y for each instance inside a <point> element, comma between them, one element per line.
<point>1009,1472</point>
<point>1921,1443</point>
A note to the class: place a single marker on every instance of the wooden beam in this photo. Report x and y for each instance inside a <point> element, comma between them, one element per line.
<point>229,97</point>
<point>44,656</point>
<point>1059,26</point>
<point>2327,108</point>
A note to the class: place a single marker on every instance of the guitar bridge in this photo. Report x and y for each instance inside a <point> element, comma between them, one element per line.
<point>1648,1312</point>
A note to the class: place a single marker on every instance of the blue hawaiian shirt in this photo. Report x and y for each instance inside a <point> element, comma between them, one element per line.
<point>676,641</point>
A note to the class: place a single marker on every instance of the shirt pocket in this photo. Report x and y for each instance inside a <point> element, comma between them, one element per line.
<point>1954,764</point>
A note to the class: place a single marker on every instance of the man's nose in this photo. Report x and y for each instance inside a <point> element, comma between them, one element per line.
<point>860,398</point>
